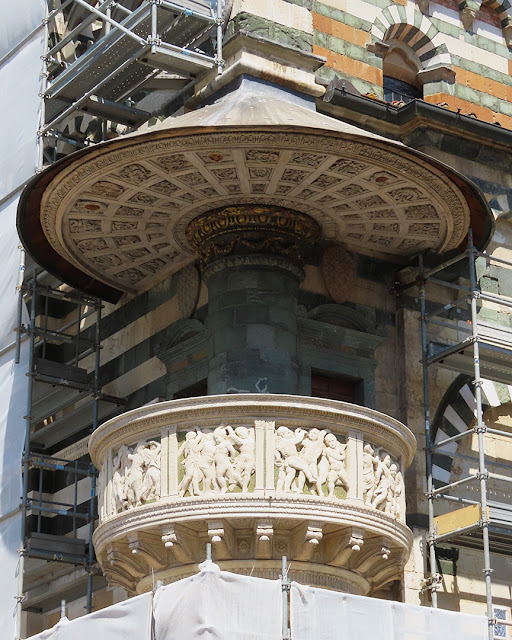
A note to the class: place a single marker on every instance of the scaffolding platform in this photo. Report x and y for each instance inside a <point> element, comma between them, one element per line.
<point>495,346</point>
<point>459,529</point>
<point>460,335</point>
<point>59,548</point>
<point>157,36</point>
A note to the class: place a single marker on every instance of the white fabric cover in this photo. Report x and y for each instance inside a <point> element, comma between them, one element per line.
<point>319,614</point>
<point>128,620</point>
<point>19,108</point>
<point>215,605</point>
<point>18,20</point>
<point>13,405</point>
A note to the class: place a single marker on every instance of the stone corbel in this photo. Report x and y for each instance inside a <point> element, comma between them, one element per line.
<point>379,49</point>
<point>436,74</point>
<point>468,10</point>
<point>424,7</point>
<point>222,537</point>
<point>377,554</point>
<point>117,575</point>
<point>147,550</point>
<point>117,559</point>
<point>350,544</point>
<point>305,542</point>
<point>264,535</point>
<point>180,543</point>
<point>507,32</point>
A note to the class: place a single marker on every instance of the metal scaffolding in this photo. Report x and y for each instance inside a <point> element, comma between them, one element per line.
<point>100,59</point>
<point>471,345</point>
<point>64,400</point>
<point>100,56</point>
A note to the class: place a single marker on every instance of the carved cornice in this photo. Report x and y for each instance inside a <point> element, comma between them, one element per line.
<point>193,511</point>
<point>302,572</point>
<point>245,230</point>
<point>87,222</point>
<point>337,416</point>
<point>275,261</point>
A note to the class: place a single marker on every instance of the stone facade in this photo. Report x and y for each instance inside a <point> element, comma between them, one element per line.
<point>283,325</point>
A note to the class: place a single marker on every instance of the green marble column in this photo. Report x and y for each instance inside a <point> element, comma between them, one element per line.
<point>251,260</point>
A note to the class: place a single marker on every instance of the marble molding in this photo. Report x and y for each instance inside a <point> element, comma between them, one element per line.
<point>260,476</point>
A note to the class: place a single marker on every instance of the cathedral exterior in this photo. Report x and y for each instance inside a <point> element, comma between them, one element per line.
<point>299,262</point>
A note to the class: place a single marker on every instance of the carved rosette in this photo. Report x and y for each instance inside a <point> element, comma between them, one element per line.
<point>252,229</point>
<point>259,476</point>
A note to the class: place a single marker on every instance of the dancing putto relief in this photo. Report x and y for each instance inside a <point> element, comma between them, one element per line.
<point>223,460</point>
<point>136,475</point>
<point>313,460</point>
<point>383,484</point>
<point>218,460</point>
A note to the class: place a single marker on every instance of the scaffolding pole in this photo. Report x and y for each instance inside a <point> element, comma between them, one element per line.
<point>433,585</point>
<point>38,338</point>
<point>26,464</point>
<point>487,570</point>
<point>473,342</point>
<point>96,384</point>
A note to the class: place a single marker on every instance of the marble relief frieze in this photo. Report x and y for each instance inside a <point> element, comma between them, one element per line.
<point>223,460</point>
<point>258,476</point>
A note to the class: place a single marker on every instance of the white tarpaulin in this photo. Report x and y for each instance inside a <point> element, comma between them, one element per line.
<point>20,81</point>
<point>13,406</point>
<point>318,614</point>
<point>128,620</point>
<point>215,605</point>
<point>18,21</point>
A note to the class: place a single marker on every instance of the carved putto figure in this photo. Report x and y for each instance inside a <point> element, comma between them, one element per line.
<point>136,475</point>
<point>217,461</point>
<point>288,459</point>
<point>382,482</point>
<point>370,462</point>
<point>320,461</point>
<point>335,454</point>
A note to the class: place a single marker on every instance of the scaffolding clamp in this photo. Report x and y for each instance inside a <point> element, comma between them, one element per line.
<point>432,583</point>
<point>480,428</point>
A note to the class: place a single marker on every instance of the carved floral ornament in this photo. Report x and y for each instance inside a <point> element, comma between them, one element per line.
<point>223,460</point>
<point>121,216</point>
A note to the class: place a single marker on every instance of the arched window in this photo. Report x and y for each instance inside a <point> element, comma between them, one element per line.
<point>400,69</point>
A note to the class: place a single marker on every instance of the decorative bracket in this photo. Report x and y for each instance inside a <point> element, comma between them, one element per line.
<point>264,536</point>
<point>468,10</point>
<point>221,535</point>
<point>147,550</point>
<point>349,544</point>
<point>179,543</point>
<point>305,542</point>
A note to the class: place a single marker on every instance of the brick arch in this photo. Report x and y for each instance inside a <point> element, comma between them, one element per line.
<point>456,413</point>
<point>412,28</point>
<point>502,9</point>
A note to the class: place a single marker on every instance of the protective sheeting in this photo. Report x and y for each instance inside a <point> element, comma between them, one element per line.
<point>318,614</point>
<point>19,18</point>
<point>216,604</point>
<point>19,109</point>
<point>13,403</point>
<point>128,620</point>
